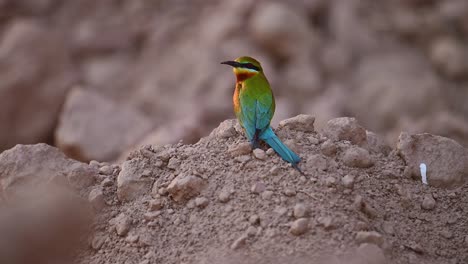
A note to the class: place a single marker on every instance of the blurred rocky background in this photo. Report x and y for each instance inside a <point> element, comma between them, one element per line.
<point>97,78</point>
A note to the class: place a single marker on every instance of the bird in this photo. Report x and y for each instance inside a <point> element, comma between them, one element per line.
<point>254,107</point>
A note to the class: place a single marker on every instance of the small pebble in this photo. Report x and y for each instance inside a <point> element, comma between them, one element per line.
<point>330,181</point>
<point>348,181</point>
<point>258,188</point>
<point>371,237</point>
<point>132,238</point>
<point>289,192</point>
<point>300,210</point>
<point>240,149</point>
<point>428,202</point>
<point>328,148</point>
<point>251,231</point>
<point>299,226</point>
<point>388,228</point>
<point>327,222</point>
<point>224,196</point>
<point>259,154</point>
<point>106,170</point>
<point>266,195</point>
<point>270,151</point>
<point>96,198</point>
<point>151,215</point>
<point>156,204</point>
<point>201,202</point>
<point>122,225</point>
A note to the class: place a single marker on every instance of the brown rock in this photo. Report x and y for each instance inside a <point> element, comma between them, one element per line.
<point>446,161</point>
<point>87,118</point>
<point>283,39</point>
<point>96,198</point>
<point>371,237</point>
<point>240,149</point>
<point>35,79</point>
<point>299,227</point>
<point>318,162</point>
<point>132,181</point>
<point>328,148</point>
<point>428,202</point>
<point>122,224</point>
<point>226,129</point>
<point>300,123</point>
<point>377,144</point>
<point>184,187</point>
<point>345,128</point>
<point>33,165</point>
<point>450,57</point>
<point>259,154</point>
<point>357,157</point>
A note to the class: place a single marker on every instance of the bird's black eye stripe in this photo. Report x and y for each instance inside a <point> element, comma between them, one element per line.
<point>250,66</point>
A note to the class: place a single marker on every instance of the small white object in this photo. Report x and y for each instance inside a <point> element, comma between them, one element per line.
<point>423,169</point>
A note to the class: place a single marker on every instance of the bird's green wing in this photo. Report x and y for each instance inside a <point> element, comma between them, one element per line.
<point>257,112</point>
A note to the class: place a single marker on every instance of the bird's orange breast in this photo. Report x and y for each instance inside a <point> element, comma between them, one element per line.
<point>236,99</point>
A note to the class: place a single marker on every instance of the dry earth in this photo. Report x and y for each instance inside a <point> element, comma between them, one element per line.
<point>216,201</point>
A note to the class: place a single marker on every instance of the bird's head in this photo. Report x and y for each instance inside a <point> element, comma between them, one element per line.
<point>245,67</point>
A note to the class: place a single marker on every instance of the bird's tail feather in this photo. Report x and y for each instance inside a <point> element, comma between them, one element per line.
<point>273,141</point>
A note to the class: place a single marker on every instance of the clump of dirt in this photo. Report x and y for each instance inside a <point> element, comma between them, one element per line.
<point>217,202</point>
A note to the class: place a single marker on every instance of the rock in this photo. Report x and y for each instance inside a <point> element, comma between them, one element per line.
<point>96,198</point>
<point>446,160</point>
<point>428,202</point>
<point>201,202</point>
<point>450,57</point>
<point>348,181</point>
<point>371,237</point>
<point>185,187</point>
<point>270,151</point>
<point>302,77</point>
<point>395,84</point>
<point>150,216</point>
<point>330,181</point>
<point>122,224</point>
<point>357,157</point>
<point>155,205</point>
<point>97,242</point>
<point>300,210</point>
<point>266,195</point>
<point>289,192</point>
<point>299,227</point>
<point>328,148</point>
<point>258,188</point>
<point>34,165</point>
<point>259,154</point>
<point>317,162</point>
<point>224,196</point>
<point>106,170</point>
<point>87,118</point>
<point>225,130</point>
<point>35,80</point>
<point>241,149</point>
<point>132,181</point>
<point>345,128</point>
<point>283,40</point>
<point>327,222</point>
<point>300,123</point>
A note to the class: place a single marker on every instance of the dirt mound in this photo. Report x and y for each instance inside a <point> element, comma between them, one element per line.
<point>217,202</point>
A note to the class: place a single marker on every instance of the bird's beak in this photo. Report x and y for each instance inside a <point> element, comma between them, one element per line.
<point>232,63</point>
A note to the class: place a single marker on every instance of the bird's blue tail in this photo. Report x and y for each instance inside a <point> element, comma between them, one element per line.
<point>288,155</point>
